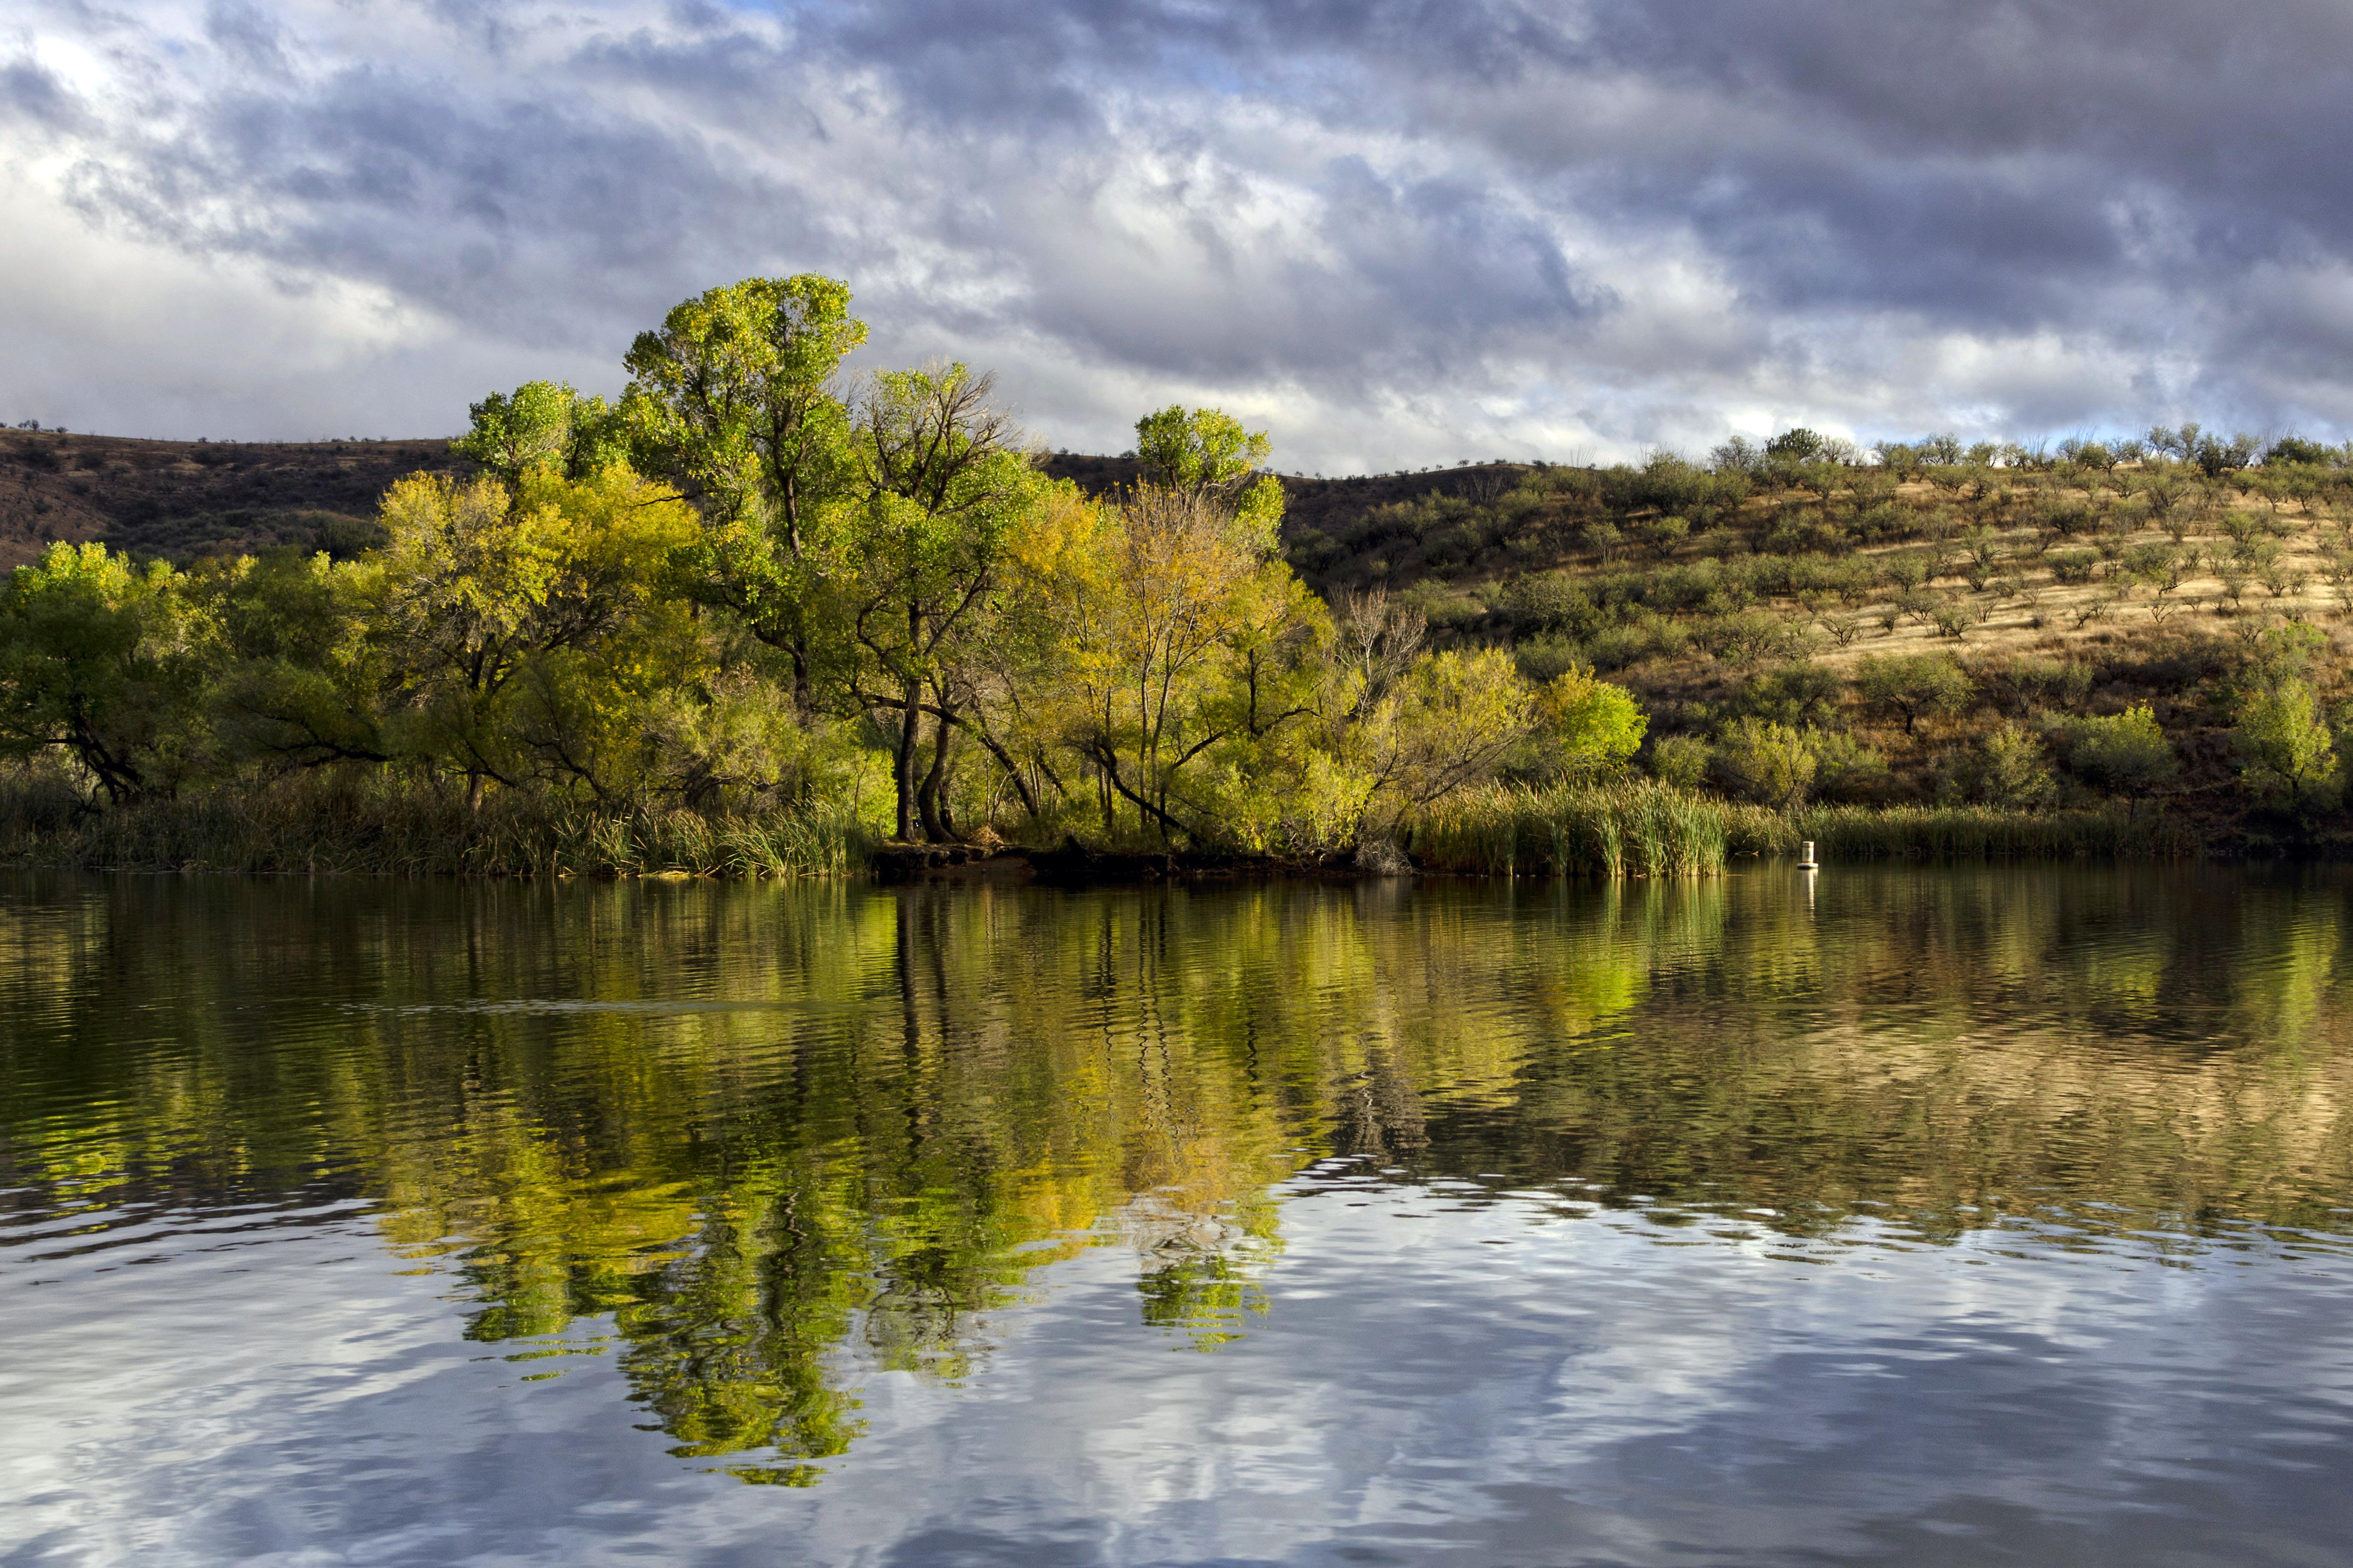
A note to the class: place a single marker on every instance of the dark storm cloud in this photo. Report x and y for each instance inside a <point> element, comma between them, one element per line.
<point>1872,214</point>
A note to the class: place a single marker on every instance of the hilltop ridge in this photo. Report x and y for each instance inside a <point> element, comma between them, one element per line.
<point>181,501</point>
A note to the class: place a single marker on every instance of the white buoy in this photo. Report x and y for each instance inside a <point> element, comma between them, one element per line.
<point>1806,861</point>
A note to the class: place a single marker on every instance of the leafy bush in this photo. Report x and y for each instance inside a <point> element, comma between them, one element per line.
<point>1773,764</point>
<point>1584,729</point>
<point>1682,760</point>
<point>2123,751</point>
<point>1800,693</point>
<point>2287,747</point>
<point>1913,687</point>
<point>1846,770</point>
<point>2009,768</point>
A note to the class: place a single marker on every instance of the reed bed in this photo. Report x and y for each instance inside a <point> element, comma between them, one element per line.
<point>1639,829</point>
<point>2112,832</point>
<point>1631,829</point>
<point>307,826</point>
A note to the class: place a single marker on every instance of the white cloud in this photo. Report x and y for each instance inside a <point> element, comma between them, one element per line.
<point>1397,238</point>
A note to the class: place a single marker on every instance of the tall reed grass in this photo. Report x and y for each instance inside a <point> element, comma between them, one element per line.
<point>1633,829</point>
<point>2114,832</point>
<point>324,825</point>
<point>1640,829</point>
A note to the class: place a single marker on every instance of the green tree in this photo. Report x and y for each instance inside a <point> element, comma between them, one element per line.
<point>2283,735</point>
<point>1584,727</point>
<point>1771,763</point>
<point>1207,453</point>
<point>2122,751</point>
<point>1450,721</point>
<point>303,675</point>
<point>520,629</point>
<point>105,661</point>
<point>2009,768</point>
<point>1912,686</point>
<point>543,424</point>
<point>919,551</point>
<point>736,400</point>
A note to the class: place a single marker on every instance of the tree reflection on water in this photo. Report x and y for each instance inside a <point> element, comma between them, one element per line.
<point>763,1142</point>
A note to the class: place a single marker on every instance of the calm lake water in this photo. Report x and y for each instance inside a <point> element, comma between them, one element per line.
<point>1939,1217</point>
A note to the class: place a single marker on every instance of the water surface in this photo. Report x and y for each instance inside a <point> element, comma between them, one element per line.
<point>1931,1217</point>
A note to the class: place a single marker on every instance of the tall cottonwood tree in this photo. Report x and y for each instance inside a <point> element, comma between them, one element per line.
<point>916,555</point>
<point>735,399</point>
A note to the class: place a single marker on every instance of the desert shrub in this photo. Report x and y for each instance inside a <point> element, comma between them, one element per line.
<point>1649,637</point>
<point>2072,567</point>
<point>2032,684</point>
<point>2122,751</point>
<point>1548,602</point>
<point>1773,764</point>
<point>2285,743</point>
<point>1542,657</point>
<point>1913,687</point>
<point>1793,694</point>
<point>1746,636</point>
<point>2008,767</point>
<point>1846,770</point>
<point>1682,760</point>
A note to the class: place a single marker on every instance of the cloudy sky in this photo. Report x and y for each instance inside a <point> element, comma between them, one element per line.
<point>1398,233</point>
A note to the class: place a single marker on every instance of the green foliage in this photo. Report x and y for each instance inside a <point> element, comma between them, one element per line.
<point>2284,737</point>
<point>1845,769</point>
<point>105,661</point>
<point>2296,450</point>
<point>2009,769</point>
<point>1773,764</point>
<point>1683,762</point>
<point>1913,687</point>
<point>2123,752</point>
<point>303,673</point>
<point>1585,729</point>
<point>542,426</point>
<point>1800,694</point>
<point>1207,453</point>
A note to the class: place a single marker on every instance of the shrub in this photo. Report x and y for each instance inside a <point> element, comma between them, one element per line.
<point>2286,744</point>
<point>1748,636</point>
<point>2072,567</point>
<point>1773,764</point>
<point>2123,751</point>
<point>1585,729</point>
<point>1794,694</point>
<point>2008,768</point>
<point>1682,760</point>
<point>1913,687</point>
<point>1541,659</point>
<point>1846,770</point>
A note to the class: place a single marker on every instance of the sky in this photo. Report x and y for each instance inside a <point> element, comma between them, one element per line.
<point>1395,233</point>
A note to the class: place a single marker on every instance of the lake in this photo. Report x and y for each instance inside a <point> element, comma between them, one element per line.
<point>1910,1216</point>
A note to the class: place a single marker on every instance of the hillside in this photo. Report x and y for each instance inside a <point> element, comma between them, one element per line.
<point>184,499</point>
<point>181,500</point>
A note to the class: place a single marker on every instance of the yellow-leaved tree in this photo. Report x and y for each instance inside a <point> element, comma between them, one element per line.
<point>534,636</point>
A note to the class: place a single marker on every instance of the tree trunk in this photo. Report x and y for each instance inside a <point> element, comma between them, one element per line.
<point>936,826</point>
<point>910,713</point>
<point>804,699</point>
